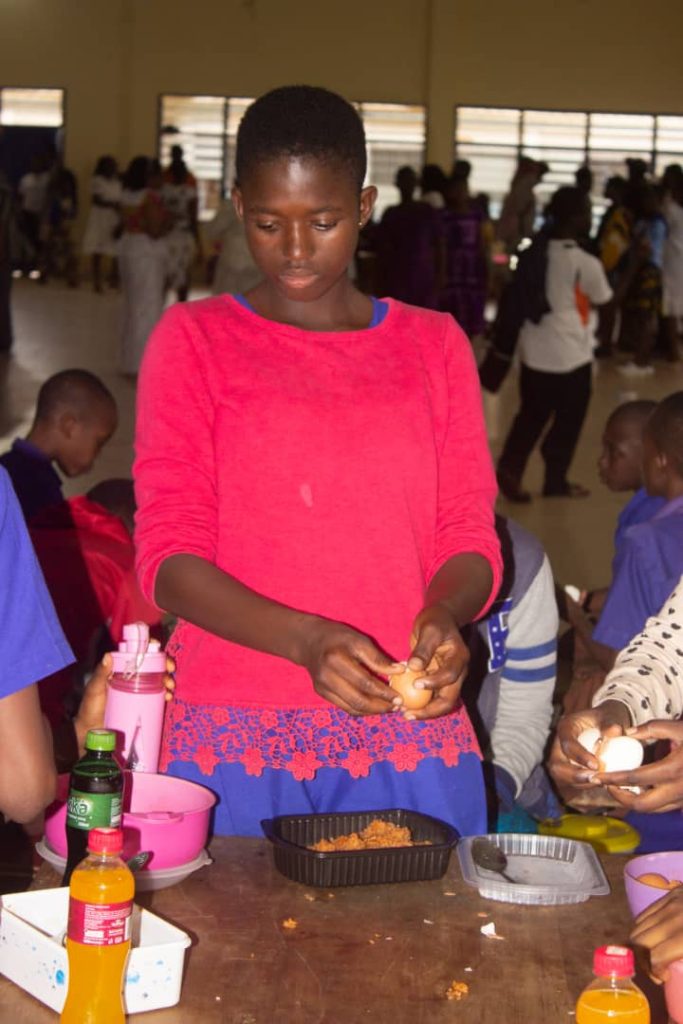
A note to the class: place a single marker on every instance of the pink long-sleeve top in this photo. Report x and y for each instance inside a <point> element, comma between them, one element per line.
<point>335,472</point>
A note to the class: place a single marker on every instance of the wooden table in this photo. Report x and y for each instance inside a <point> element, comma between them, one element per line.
<point>385,954</point>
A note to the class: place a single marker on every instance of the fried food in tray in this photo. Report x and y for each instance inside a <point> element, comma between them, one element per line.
<point>377,835</point>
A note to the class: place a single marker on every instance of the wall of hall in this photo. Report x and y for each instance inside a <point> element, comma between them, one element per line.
<point>115,57</point>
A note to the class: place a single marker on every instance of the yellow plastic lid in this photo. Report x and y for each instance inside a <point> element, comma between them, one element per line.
<point>605,834</point>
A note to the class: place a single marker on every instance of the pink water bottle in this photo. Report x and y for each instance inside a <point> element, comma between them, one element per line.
<point>135,699</point>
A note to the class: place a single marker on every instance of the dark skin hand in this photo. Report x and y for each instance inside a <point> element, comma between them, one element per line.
<point>570,764</point>
<point>661,782</point>
<point>346,667</point>
<point>455,596</point>
<point>659,929</point>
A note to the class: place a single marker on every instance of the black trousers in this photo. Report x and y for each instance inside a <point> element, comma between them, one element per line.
<point>560,397</point>
<point>5,312</point>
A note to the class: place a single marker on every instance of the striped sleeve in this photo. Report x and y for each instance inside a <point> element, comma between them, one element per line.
<point>524,712</point>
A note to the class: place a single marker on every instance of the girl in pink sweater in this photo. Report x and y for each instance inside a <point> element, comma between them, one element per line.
<point>315,501</point>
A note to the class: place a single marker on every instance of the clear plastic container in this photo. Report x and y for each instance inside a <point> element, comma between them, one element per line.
<point>548,870</point>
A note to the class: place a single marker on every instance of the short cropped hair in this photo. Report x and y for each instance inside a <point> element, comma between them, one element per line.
<point>117,495</point>
<point>77,391</point>
<point>301,121</point>
<point>566,205</point>
<point>636,412</point>
<point>665,427</point>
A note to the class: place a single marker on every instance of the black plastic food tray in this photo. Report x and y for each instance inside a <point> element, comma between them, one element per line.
<point>292,834</point>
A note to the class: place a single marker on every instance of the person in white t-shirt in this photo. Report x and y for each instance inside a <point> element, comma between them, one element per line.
<point>556,354</point>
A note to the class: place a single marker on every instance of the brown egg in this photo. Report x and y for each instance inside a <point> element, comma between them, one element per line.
<point>655,880</point>
<point>413,699</point>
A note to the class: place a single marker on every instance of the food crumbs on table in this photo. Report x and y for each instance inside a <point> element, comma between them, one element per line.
<point>457,991</point>
<point>468,970</point>
<point>482,914</point>
<point>291,923</point>
<point>489,930</point>
<point>310,897</point>
<point>450,894</point>
<point>425,920</point>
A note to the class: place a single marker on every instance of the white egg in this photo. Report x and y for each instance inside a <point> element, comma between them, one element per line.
<point>620,754</point>
<point>589,739</point>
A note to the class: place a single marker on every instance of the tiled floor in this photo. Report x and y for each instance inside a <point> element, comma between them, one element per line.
<point>57,327</point>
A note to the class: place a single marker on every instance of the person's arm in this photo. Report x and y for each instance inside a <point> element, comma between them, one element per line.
<point>525,702</point>
<point>646,682</point>
<point>32,647</point>
<point>176,527</point>
<point>466,569</point>
<point>28,779</point>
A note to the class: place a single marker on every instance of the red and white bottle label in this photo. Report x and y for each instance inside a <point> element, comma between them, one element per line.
<point>99,924</point>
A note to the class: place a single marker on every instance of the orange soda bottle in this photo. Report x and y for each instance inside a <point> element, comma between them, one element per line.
<point>612,996</point>
<point>98,934</point>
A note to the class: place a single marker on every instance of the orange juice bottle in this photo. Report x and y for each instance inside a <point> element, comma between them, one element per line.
<point>612,996</point>
<point>98,934</point>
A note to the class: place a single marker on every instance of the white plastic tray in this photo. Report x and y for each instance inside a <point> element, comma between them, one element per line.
<point>549,870</point>
<point>32,926</point>
<point>145,880</point>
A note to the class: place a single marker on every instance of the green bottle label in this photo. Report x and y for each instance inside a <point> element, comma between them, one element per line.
<point>93,810</point>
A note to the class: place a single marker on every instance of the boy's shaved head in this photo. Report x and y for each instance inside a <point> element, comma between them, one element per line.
<point>78,392</point>
<point>632,414</point>
<point>665,428</point>
<point>117,495</point>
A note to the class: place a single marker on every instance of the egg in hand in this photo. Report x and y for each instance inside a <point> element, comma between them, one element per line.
<point>404,684</point>
<point>614,753</point>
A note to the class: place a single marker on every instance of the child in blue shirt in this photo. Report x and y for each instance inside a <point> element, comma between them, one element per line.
<point>75,416</point>
<point>649,560</point>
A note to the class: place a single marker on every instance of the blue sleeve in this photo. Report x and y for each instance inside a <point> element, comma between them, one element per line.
<point>32,644</point>
<point>629,602</point>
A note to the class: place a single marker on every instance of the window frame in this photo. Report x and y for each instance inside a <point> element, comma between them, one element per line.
<point>358,104</point>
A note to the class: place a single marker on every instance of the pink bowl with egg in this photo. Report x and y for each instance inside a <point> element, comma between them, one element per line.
<point>639,894</point>
<point>168,816</point>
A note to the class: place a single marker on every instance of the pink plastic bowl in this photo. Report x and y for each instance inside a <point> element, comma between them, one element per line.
<point>639,894</point>
<point>168,816</point>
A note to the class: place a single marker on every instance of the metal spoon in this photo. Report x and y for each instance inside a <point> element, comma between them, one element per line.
<point>490,857</point>
<point>138,862</point>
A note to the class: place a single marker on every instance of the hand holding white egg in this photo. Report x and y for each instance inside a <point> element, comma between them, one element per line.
<point>614,753</point>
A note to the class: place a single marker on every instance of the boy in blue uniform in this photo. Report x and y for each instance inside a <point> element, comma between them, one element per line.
<point>649,559</point>
<point>75,416</point>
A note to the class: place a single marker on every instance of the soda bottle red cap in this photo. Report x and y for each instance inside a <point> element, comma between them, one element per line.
<point>105,840</point>
<point>616,960</point>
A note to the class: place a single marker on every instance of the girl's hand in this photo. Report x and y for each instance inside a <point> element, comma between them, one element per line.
<point>438,648</point>
<point>345,665</point>
<point>570,764</point>
<point>91,712</point>
<point>661,782</point>
<point>660,929</point>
